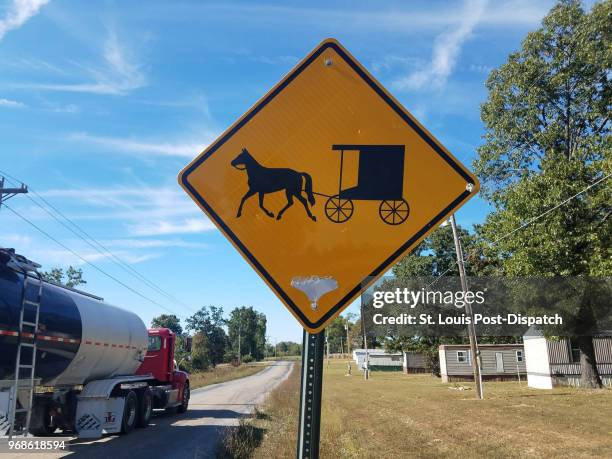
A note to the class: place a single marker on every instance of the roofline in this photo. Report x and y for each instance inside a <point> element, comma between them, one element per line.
<point>493,346</point>
<point>379,351</point>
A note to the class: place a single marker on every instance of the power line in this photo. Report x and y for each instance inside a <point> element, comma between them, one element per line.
<point>87,261</point>
<point>525,224</point>
<point>104,250</point>
<point>529,222</point>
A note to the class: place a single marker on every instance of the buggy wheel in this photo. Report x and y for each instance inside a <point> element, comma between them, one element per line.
<point>339,210</point>
<point>394,212</point>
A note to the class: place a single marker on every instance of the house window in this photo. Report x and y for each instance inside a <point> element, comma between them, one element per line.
<point>463,356</point>
<point>574,351</point>
<point>519,356</point>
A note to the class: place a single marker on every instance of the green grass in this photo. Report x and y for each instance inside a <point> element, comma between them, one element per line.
<point>223,373</point>
<point>395,416</point>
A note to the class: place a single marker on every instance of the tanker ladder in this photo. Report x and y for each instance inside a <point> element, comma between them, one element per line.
<point>26,351</point>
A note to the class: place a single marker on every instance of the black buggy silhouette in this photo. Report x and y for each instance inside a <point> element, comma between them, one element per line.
<point>380,178</point>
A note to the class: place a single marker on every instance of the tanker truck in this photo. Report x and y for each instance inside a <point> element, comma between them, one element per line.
<point>72,362</point>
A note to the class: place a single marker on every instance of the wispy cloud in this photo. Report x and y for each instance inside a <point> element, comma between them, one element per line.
<point>14,240</point>
<point>119,74</point>
<point>195,101</point>
<point>69,108</point>
<point>49,256</point>
<point>60,257</point>
<point>11,103</point>
<point>402,17</point>
<point>446,50</point>
<point>162,227</point>
<point>480,68</point>
<point>31,64</point>
<point>274,60</point>
<point>141,210</point>
<point>390,62</point>
<point>143,147</point>
<point>18,13</point>
<point>147,222</point>
<point>148,243</point>
<point>126,72</point>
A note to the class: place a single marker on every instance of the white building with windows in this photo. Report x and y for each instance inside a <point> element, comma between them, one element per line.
<point>497,362</point>
<point>557,362</point>
<point>378,359</point>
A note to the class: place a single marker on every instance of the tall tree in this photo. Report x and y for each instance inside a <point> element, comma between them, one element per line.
<point>209,321</point>
<point>247,332</point>
<point>286,348</point>
<point>169,321</point>
<point>182,352</point>
<point>200,352</point>
<point>547,120</point>
<point>70,278</point>
<point>260,335</point>
<point>336,335</point>
<point>436,256</point>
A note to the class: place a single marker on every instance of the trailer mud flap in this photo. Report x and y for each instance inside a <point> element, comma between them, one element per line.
<point>96,416</point>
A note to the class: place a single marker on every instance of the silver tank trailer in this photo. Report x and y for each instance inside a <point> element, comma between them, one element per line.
<point>80,337</point>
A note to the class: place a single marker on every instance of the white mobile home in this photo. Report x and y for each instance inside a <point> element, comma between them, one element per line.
<point>378,359</point>
<point>557,362</point>
<point>498,362</point>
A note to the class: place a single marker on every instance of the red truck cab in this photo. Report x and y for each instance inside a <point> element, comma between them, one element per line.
<point>172,385</point>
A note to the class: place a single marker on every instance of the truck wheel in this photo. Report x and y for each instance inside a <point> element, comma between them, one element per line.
<point>130,413</point>
<point>185,403</point>
<point>44,424</point>
<point>145,408</point>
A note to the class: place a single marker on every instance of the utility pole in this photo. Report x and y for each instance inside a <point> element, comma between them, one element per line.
<point>366,362</point>
<point>348,341</point>
<point>7,193</point>
<point>475,354</point>
<point>239,336</point>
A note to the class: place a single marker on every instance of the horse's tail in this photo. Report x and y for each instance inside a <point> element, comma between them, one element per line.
<point>308,188</point>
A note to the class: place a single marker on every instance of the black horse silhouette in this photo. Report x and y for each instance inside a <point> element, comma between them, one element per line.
<point>265,180</point>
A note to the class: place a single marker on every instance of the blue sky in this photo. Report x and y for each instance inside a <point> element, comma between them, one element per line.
<point>101,105</point>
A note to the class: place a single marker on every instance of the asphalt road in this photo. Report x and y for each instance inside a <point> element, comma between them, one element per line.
<point>194,434</point>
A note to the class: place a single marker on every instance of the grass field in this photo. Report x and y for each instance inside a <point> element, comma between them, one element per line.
<point>222,373</point>
<point>396,416</point>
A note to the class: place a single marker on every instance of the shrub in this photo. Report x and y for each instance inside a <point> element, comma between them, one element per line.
<point>231,357</point>
<point>200,357</point>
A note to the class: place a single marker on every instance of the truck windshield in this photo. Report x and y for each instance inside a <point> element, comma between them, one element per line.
<point>154,343</point>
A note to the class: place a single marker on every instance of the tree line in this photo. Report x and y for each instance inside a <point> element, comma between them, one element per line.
<point>210,338</point>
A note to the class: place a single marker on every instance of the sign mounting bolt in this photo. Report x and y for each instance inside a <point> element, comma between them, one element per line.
<point>328,62</point>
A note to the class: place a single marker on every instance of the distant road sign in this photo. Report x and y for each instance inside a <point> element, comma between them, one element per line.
<point>327,176</point>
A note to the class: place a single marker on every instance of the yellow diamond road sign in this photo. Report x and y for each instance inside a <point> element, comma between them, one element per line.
<point>326,176</point>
